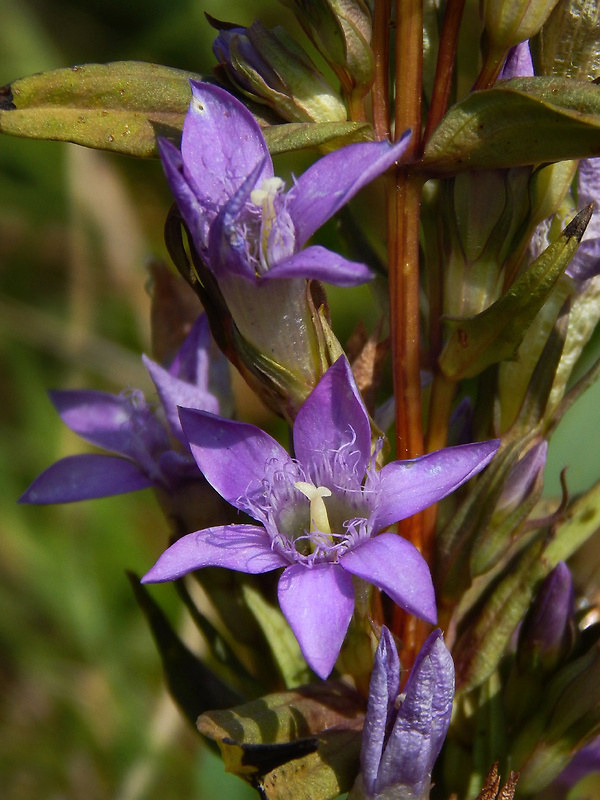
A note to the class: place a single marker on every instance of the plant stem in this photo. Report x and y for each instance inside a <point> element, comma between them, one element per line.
<point>403,246</point>
<point>381,52</point>
<point>444,69</point>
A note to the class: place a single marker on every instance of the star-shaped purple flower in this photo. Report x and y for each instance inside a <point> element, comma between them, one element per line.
<point>141,437</point>
<point>321,513</point>
<point>242,222</point>
<point>404,733</point>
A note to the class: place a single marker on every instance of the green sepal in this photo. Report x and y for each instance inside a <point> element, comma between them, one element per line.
<point>495,334</point>
<point>193,686</point>
<point>484,637</point>
<point>326,135</point>
<point>295,745</point>
<point>220,650</point>
<point>284,645</point>
<point>518,122</point>
<point>566,720</point>
<point>122,106</point>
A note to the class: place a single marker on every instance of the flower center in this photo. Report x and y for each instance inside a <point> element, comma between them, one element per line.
<point>319,521</point>
<point>265,198</point>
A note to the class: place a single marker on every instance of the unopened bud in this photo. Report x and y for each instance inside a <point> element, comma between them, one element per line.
<point>271,67</point>
<point>548,631</point>
<point>341,32</point>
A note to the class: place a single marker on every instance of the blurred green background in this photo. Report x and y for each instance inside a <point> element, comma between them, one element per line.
<point>82,710</point>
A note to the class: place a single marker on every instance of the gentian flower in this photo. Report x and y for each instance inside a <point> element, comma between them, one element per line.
<point>141,437</point>
<point>320,514</point>
<point>404,733</point>
<point>242,222</point>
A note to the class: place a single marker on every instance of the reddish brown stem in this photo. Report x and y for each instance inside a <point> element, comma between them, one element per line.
<point>403,245</point>
<point>381,52</point>
<point>444,69</point>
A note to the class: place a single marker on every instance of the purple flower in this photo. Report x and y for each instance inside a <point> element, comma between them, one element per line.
<point>404,733</point>
<point>242,222</point>
<point>320,514</point>
<point>142,441</point>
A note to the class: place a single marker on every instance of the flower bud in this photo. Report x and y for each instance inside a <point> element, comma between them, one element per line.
<point>269,66</point>
<point>522,478</point>
<point>548,630</point>
<point>341,32</point>
<point>509,22</point>
<point>479,236</point>
<point>404,733</point>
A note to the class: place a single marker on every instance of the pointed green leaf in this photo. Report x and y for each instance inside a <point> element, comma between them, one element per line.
<point>518,122</point>
<point>495,334</point>
<point>327,135</point>
<point>295,745</point>
<point>122,106</point>
<point>192,685</point>
<point>284,645</point>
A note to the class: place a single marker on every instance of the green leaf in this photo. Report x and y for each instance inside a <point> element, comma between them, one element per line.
<point>122,106</point>
<point>284,645</point>
<point>327,135</point>
<point>518,122</point>
<point>296,745</point>
<point>495,334</point>
<point>192,685</point>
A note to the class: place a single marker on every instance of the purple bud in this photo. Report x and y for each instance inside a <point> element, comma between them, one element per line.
<point>547,632</point>
<point>403,734</point>
<point>522,477</point>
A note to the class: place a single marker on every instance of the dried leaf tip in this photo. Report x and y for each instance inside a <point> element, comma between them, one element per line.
<point>579,223</point>
<point>491,788</point>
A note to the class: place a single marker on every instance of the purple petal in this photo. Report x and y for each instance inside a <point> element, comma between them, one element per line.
<point>111,422</point>
<point>333,415</point>
<point>197,216</point>
<point>244,548</point>
<point>192,361</point>
<point>518,63</point>
<point>410,486</point>
<point>85,477</point>
<point>421,723</point>
<point>318,603</point>
<point>585,263</point>
<point>395,565</point>
<point>228,239</point>
<point>174,393</point>
<point>384,687</point>
<point>318,263</point>
<point>232,456</point>
<point>334,179</point>
<point>221,145</point>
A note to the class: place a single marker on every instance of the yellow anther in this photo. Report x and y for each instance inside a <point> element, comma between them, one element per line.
<point>319,521</point>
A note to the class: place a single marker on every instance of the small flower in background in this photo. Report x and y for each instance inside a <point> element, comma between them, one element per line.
<point>404,732</point>
<point>149,445</point>
<point>241,221</point>
<point>518,63</point>
<point>321,514</point>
